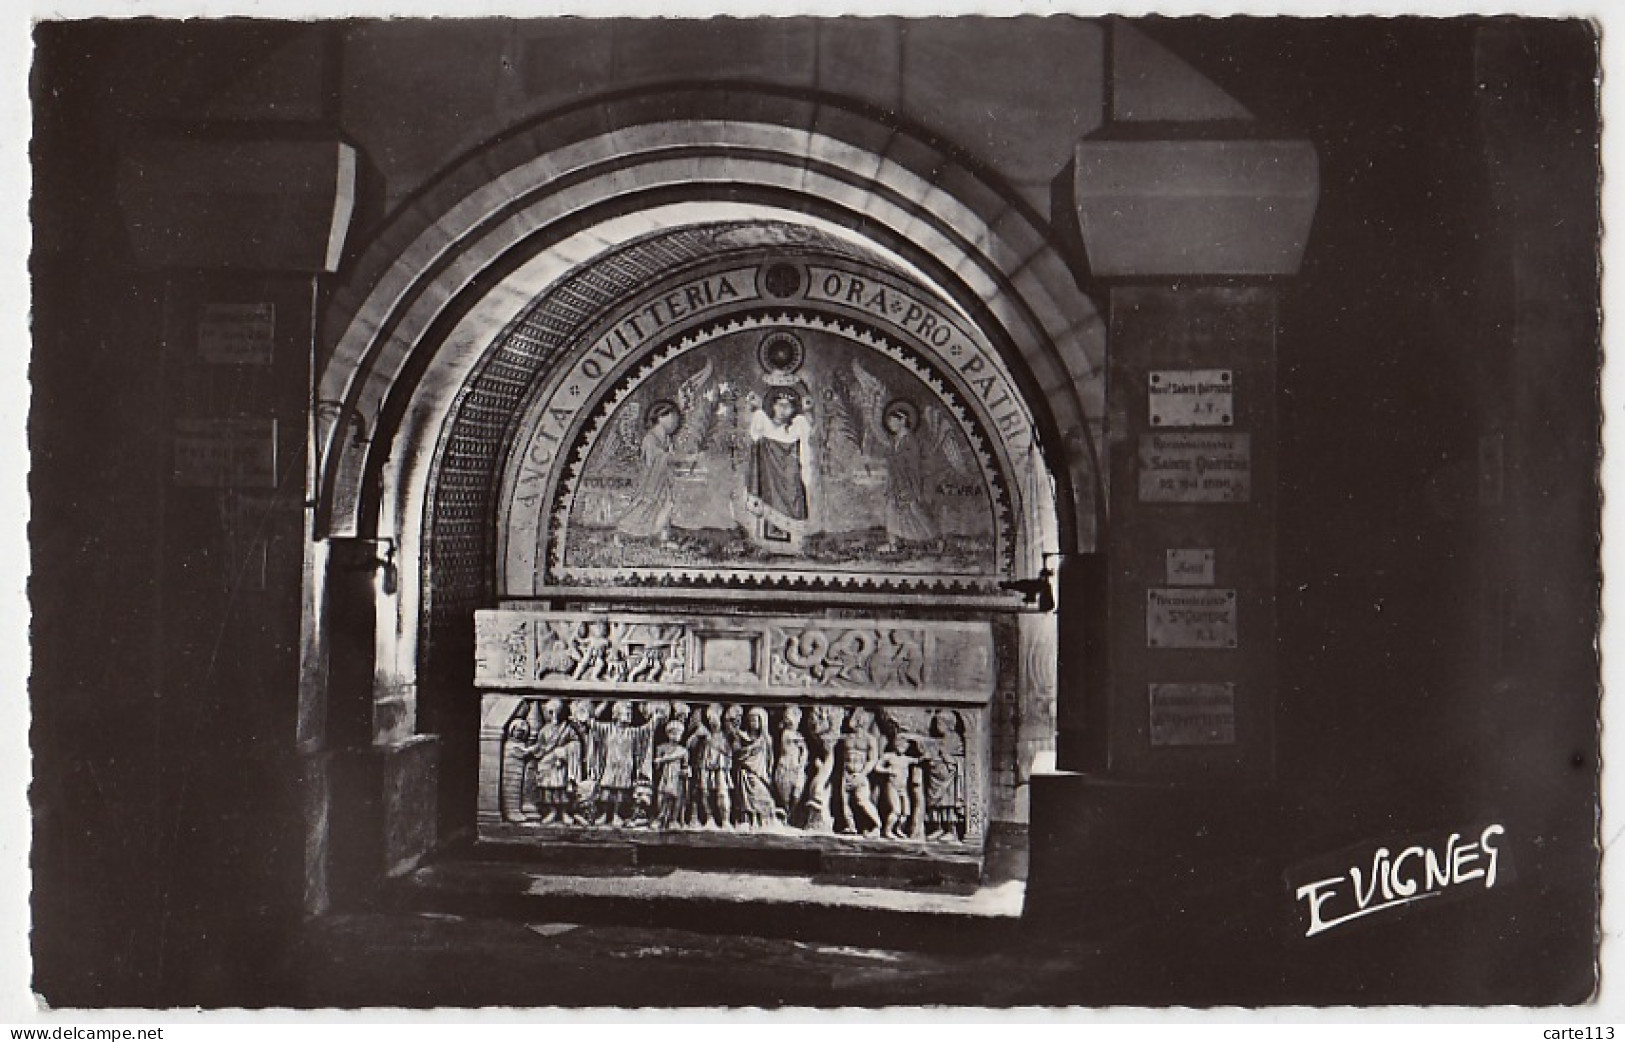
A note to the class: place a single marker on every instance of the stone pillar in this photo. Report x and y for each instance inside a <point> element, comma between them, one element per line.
<point>1191,549</point>
<point>1190,443</point>
<point>1169,716</point>
<point>242,232</point>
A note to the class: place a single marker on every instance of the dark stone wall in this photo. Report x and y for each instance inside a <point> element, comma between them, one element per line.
<point>1437,548</point>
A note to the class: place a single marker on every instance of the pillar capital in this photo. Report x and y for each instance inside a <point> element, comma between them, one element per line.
<point>246,204</point>
<point>1170,208</point>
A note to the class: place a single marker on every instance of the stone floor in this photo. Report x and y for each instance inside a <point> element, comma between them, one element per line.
<point>435,959</point>
<point>490,925</point>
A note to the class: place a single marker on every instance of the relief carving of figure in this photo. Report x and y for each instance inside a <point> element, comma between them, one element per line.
<point>660,764</point>
<point>824,741</point>
<point>860,752</point>
<point>715,745</point>
<point>615,762</point>
<point>651,651</point>
<point>790,770</point>
<point>900,660</point>
<point>753,759</point>
<point>556,755</point>
<point>592,651</point>
<point>945,778</point>
<point>515,780</point>
<point>813,656</point>
<point>671,765</point>
<point>555,648</point>
<point>894,769</point>
<point>583,795</point>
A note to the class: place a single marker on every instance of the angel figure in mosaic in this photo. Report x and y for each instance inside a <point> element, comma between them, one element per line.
<point>654,441</point>
<point>892,433</point>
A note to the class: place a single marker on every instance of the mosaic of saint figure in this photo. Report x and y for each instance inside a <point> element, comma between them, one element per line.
<point>781,475</point>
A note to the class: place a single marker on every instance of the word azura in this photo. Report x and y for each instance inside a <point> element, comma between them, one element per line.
<point>1414,874</point>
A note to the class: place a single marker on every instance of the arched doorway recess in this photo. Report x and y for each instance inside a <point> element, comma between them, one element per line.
<point>750,243</point>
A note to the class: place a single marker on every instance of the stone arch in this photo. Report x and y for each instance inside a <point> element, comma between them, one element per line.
<point>577,182</point>
<point>454,270</point>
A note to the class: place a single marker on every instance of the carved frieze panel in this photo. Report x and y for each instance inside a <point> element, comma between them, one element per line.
<point>610,653</point>
<point>895,775</point>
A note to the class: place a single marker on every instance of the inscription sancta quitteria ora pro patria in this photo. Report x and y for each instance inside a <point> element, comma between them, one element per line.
<point>894,309</point>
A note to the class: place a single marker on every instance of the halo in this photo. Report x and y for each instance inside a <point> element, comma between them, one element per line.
<point>789,394</point>
<point>907,408</point>
<point>660,406</point>
<point>780,353</point>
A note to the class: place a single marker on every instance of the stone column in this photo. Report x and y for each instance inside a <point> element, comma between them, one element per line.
<point>242,233</point>
<point>1168,650</point>
<point>1191,237</point>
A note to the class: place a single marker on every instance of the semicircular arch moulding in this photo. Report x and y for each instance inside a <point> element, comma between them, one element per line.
<point>600,164</point>
<point>874,339</point>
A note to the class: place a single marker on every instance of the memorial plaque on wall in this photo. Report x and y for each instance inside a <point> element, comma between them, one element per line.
<point>234,453</point>
<point>1190,567</point>
<point>237,334</point>
<point>1195,468</point>
<point>1193,714</point>
<point>1190,617</point>
<point>1190,398</point>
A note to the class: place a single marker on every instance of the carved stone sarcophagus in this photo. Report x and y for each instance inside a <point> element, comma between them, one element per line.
<point>623,723</point>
